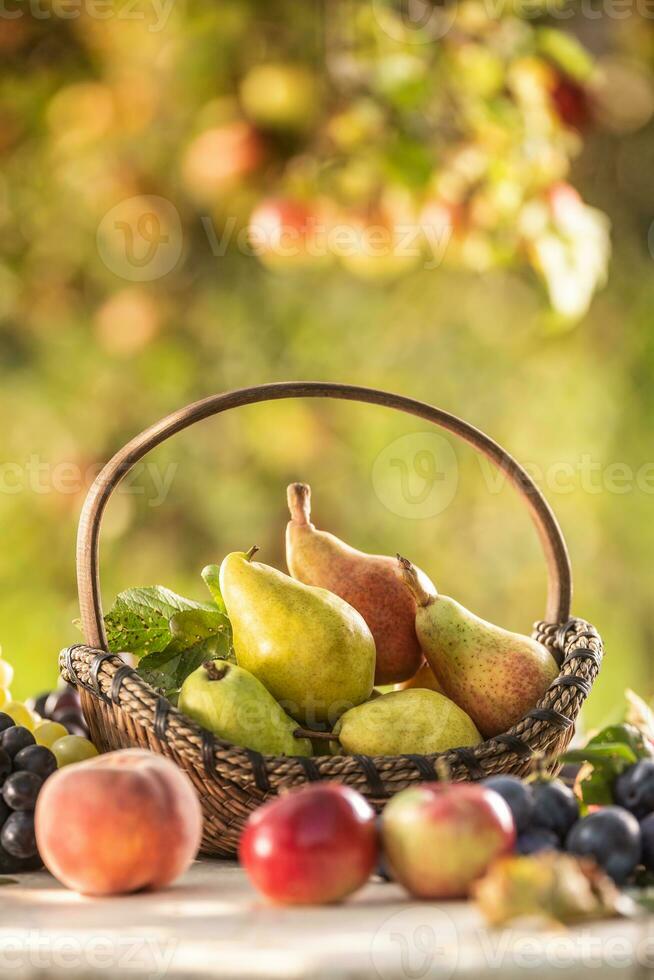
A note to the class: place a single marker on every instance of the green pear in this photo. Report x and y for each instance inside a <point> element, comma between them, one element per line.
<point>493,674</point>
<point>230,702</point>
<point>313,652</point>
<point>414,721</point>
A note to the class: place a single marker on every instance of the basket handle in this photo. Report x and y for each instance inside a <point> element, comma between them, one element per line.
<point>88,575</point>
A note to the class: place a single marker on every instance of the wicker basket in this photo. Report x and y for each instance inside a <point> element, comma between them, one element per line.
<point>122,710</point>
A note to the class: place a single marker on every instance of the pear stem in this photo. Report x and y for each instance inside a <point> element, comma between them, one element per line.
<point>308,733</point>
<point>215,669</point>
<point>413,583</point>
<point>249,555</point>
<point>298,496</point>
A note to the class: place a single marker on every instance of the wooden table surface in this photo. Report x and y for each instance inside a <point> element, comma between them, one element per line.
<point>212,924</point>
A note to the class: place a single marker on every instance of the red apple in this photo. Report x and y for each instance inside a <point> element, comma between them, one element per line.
<point>118,823</point>
<point>438,838</point>
<point>220,157</point>
<point>288,234</point>
<point>312,846</point>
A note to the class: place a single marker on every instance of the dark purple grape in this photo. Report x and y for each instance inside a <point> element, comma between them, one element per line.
<point>4,811</point>
<point>555,807</point>
<point>31,864</point>
<point>21,790</point>
<point>6,721</point>
<point>5,765</point>
<point>647,835</point>
<point>14,739</point>
<point>36,758</point>
<point>612,837</point>
<point>10,865</point>
<point>537,839</point>
<point>634,788</point>
<point>65,700</point>
<point>517,795</point>
<point>18,837</point>
<point>38,703</point>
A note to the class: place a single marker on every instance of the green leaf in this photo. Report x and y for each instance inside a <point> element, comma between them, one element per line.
<point>167,670</point>
<point>139,619</point>
<point>196,635</point>
<point>626,734</point>
<point>211,577</point>
<point>612,755</point>
<point>606,755</point>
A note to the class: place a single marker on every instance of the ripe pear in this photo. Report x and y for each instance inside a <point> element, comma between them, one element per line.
<point>415,721</point>
<point>370,583</point>
<point>233,704</point>
<point>493,674</point>
<point>312,651</point>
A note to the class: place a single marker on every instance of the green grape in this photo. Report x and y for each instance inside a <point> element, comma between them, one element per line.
<point>73,748</point>
<point>6,673</point>
<point>20,713</point>
<point>48,732</point>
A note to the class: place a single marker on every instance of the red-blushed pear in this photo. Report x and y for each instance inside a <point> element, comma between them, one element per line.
<point>370,583</point>
<point>496,676</point>
<point>122,822</point>
<point>315,845</point>
<point>439,838</point>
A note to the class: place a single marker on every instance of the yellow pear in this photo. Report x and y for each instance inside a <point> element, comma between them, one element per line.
<point>414,721</point>
<point>307,646</point>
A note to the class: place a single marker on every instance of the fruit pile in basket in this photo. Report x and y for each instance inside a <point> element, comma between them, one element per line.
<point>287,664</point>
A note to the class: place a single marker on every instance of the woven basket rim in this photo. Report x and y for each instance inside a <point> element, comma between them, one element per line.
<point>106,677</point>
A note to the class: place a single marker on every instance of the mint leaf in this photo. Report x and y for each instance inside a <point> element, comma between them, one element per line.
<point>211,577</point>
<point>139,619</point>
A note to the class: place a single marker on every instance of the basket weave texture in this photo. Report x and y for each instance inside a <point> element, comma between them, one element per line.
<point>123,711</point>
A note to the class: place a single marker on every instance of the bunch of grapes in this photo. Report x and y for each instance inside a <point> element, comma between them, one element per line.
<point>24,767</point>
<point>619,836</point>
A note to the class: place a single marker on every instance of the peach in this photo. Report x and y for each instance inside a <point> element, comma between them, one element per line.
<point>118,823</point>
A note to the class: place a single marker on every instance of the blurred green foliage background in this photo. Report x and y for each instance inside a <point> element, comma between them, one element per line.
<point>102,104</point>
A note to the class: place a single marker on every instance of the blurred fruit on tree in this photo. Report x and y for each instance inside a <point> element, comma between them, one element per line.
<point>463,137</point>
